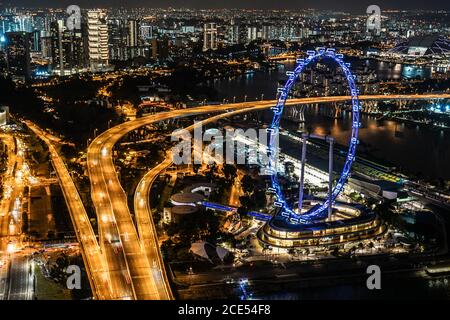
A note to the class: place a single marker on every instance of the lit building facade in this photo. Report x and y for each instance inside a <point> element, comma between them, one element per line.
<point>97,39</point>
<point>67,49</point>
<point>18,54</point>
<point>209,36</point>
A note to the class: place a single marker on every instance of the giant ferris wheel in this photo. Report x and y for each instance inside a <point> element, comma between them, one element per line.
<point>319,211</point>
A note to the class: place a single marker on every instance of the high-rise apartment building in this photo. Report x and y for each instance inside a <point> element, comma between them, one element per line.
<point>252,33</point>
<point>125,39</point>
<point>209,36</point>
<point>133,39</point>
<point>233,33</point>
<point>97,39</point>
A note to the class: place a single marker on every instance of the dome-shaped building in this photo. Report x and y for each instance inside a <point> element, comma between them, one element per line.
<point>419,46</point>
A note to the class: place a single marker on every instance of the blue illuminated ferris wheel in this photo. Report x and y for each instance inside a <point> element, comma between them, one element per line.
<point>319,211</point>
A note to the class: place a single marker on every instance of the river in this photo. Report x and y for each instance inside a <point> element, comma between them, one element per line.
<point>414,150</point>
<point>410,148</point>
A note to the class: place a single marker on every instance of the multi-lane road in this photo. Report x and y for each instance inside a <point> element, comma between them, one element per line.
<point>139,242</point>
<point>16,280</point>
<point>5,204</point>
<point>126,262</point>
<point>142,210</point>
<point>21,278</point>
<point>94,261</point>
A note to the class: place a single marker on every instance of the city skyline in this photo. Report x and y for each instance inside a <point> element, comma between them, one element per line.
<point>349,6</point>
<point>224,154</point>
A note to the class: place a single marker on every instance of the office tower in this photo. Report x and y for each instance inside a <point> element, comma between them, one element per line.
<point>97,39</point>
<point>117,31</point>
<point>209,36</point>
<point>18,54</point>
<point>67,49</point>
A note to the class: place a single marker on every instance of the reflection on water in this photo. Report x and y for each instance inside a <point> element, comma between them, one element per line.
<point>413,72</point>
<point>254,84</point>
<point>397,71</point>
<point>408,147</point>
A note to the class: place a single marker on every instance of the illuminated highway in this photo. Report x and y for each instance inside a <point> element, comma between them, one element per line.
<point>16,282</point>
<point>125,268</point>
<point>101,284</point>
<point>21,278</point>
<point>145,226</point>
<point>5,205</point>
<point>111,202</point>
<point>147,231</point>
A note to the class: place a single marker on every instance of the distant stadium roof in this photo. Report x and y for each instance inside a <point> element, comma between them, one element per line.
<point>423,46</point>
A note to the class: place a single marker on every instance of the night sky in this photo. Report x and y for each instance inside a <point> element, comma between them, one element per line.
<point>354,6</point>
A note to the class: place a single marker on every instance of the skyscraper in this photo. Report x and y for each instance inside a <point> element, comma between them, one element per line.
<point>18,54</point>
<point>97,39</point>
<point>133,42</point>
<point>209,36</point>
<point>67,49</point>
<point>117,31</point>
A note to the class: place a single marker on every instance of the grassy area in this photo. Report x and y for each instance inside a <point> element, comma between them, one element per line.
<point>49,290</point>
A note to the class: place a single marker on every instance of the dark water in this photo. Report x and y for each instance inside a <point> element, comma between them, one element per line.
<point>255,84</point>
<point>391,289</point>
<point>410,148</point>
